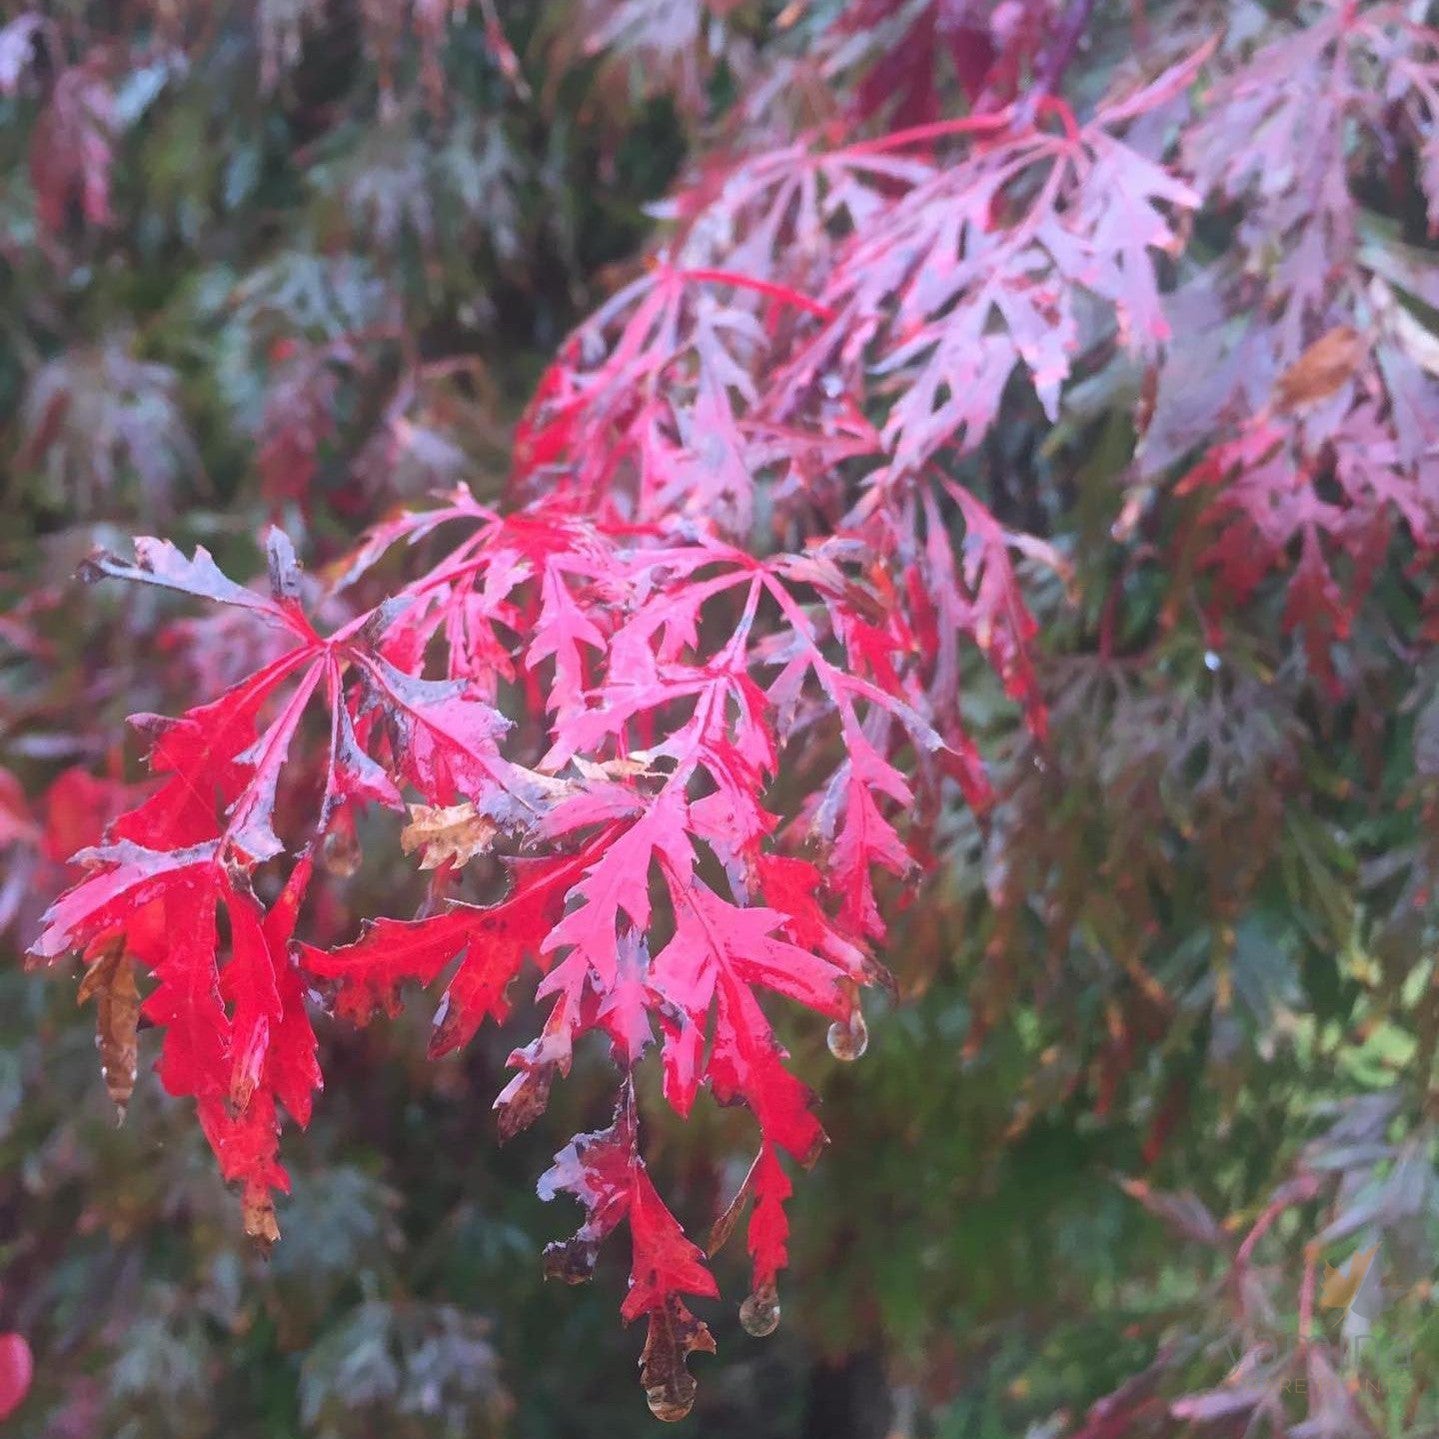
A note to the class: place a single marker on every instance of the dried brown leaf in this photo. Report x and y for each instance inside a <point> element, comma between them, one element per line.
<point>456,832</point>
<point>110,982</point>
<point>724,1226</point>
<point>1327,365</point>
<point>674,1335</point>
<point>260,1222</point>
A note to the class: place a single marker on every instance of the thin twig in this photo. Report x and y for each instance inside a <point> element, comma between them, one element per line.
<point>1298,1191</point>
<point>1306,1296</point>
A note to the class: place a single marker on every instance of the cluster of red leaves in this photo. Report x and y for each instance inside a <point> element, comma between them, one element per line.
<point>737,576</point>
<point>674,674</point>
<point>1308,364</point>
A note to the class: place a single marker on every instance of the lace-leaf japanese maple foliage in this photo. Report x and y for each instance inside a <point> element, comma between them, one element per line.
<point>743,574</point>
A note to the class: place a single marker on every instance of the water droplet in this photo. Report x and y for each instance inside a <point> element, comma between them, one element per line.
<point>1211,661</point>
<point>340,853</point>
<point>849,1039</point>
<point>666,1408</point>
<point>759,1314</point>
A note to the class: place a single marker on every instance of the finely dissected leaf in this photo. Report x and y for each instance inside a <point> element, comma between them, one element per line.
<point>158,562</point>
<point>605,1173</point>
<point>494,943</point>
<point>237,1036</point>
<point>951,299</point>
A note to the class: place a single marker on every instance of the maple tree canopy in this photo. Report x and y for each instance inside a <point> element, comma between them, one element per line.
<point>979,390</point>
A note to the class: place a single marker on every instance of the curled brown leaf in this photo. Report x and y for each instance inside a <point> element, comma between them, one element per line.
<point>674,1335</point>
<point>447,833</point>
<point>110,982</point>
<point>1327,365</point>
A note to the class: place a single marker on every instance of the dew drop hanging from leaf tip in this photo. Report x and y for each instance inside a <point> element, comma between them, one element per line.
<point>759,1314</point>
<point>848,1039</point>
